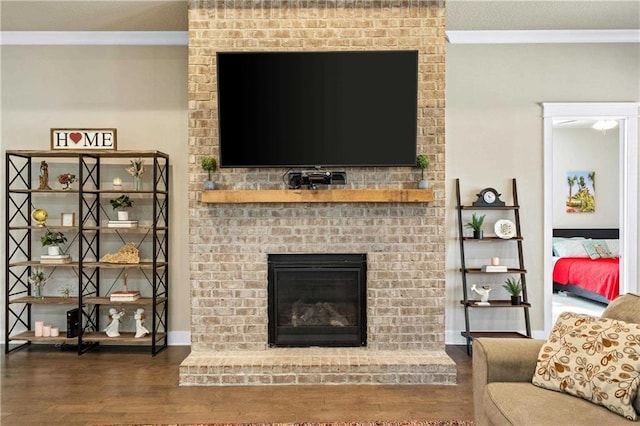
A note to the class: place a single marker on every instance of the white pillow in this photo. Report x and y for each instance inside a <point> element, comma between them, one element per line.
<point>569,247</point>
<point>614,247</point>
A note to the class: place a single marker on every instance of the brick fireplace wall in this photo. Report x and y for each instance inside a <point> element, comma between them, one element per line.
<point>229,243</point>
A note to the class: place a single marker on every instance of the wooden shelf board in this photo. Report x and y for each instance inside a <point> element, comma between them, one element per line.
<point>501,334</point>
<point>86,300</point>
<point>124,337</point>
<point>318,196</point>
<point>31,336</point>
<point>107,301</point>
<point>489,208</point>
<point>508,271</point>
<point>143,265</point>
<point>87,337</point>
<point>492,238</point>
<point>70,153</point>
<point>496,304</point>
<point>46,301</point>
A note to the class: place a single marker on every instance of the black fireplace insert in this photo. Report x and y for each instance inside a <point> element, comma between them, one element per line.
<point>317,300</point>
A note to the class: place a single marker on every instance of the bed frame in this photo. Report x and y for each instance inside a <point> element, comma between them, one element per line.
<point>595,233</point>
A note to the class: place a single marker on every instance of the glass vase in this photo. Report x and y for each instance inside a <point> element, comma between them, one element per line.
<point>136,183</point>
<point>37,291</point>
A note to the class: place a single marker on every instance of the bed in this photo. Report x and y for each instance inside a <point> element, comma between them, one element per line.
<point>586,263</point>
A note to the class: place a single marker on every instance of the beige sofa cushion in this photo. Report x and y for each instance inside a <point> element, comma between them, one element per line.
<point>625,308</point>
<point>519,403</point>
<point>594,358</point>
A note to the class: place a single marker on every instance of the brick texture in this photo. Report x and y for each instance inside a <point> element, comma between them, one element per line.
<point>404,242</point>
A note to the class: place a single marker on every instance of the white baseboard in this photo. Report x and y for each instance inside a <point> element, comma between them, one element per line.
<point>179,338</point>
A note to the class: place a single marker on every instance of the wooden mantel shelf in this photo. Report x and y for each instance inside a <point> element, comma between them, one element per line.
<point>318,196</point>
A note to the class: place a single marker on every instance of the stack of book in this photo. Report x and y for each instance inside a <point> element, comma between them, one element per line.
<point>122,224</point>
<point>494,268</point>
<point>55,259</point>
<point>124,296</point>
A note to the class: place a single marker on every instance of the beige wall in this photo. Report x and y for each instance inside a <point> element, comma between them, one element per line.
<point>586,149</point>
<point>494,125</point>
<point>494,133</point>
<point>141,91</point>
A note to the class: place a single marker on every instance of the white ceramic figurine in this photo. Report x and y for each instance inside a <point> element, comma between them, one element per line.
<point>483,293</point>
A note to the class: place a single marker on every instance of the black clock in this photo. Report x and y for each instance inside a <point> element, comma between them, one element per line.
<point>488,197</point>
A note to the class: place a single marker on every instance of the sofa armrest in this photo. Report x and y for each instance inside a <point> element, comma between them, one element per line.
<point>501,360</point>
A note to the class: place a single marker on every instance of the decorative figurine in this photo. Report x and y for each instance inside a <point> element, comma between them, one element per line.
<point>483,293</point>
<point>44,176</point>
<point>141,331</point>
<point>113,329</point>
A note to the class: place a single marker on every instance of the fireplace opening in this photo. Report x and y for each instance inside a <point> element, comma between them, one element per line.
<point>317,300</point>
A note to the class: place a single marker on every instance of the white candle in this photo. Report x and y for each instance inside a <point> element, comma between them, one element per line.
<point>46,331</point>
<point>495,261</point>
<point>55,331</point>
<point>117,182</point>
<point>39,325</point>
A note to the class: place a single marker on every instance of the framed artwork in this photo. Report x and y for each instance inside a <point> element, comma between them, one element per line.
<point>84,139</point>
<point>68,219</point>
<point>581,192</point>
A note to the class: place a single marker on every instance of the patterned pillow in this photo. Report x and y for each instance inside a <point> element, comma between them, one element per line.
<point>597,249</point>
<point>597,359</point>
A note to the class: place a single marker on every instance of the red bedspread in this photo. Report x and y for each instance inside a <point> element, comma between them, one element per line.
<point>600,276</point>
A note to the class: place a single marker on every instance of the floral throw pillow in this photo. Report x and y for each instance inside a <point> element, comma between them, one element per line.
<point>597,249</point>
<point>597,359</point>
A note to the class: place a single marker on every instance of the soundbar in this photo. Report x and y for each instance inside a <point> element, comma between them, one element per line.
<point>313,178</point>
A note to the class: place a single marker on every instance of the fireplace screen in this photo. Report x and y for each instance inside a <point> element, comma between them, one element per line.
<point>317,300</point>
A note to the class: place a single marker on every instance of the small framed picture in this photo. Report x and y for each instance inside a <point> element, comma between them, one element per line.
<point>68,219</point>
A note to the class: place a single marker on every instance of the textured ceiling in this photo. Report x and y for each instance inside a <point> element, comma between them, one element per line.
<point>171,15</point>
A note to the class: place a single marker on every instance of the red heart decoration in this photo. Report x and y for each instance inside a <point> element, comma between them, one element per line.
<point>75,137</point>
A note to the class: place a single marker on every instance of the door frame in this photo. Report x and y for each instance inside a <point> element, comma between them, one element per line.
<point>626,113</point>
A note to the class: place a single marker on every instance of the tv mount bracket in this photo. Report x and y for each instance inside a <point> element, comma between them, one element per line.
<point>312,178</point>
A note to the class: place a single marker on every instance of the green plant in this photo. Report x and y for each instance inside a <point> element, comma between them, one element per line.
<point>53,238</point>
<point>209,164</point>
<point>423,162</point>
<point>476,222</point>
<point>122,202</point>
<point>513,286</point>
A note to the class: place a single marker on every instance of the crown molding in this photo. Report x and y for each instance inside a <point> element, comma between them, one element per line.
<point>95,38</point>
<point>543,36</point>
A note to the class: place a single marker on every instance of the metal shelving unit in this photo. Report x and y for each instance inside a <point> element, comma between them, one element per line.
<point>465,271</point>
<point>89,198</point>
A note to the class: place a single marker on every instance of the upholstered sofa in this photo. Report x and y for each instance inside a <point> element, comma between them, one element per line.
<point>502,382</point>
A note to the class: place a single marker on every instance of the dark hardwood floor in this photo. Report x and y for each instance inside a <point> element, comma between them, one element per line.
<point>47,386</point>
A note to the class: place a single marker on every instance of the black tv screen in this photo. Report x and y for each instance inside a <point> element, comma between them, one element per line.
<point>315,109</point>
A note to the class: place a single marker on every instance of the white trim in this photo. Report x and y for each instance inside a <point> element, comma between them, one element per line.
<point>95,38</point>
<point>627,115</point>
<point>179,338</point>
<point>543,36</point>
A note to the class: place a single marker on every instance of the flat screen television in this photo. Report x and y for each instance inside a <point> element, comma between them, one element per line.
<point>317,109</point>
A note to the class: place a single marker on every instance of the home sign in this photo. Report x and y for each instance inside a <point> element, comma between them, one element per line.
<point>84,139</point>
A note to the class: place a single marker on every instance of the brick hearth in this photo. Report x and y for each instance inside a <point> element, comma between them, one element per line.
<point>404,242</point>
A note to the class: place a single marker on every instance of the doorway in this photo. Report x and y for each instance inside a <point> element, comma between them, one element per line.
<point>563,116</point>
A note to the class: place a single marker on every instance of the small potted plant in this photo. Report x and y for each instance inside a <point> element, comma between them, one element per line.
<point>514,287</point>
<point>209,165</point>
<point>121,204</point>
<point>67,179</point>
<point>423,162</point>
<point>476,224</point>
<point>52,241</point>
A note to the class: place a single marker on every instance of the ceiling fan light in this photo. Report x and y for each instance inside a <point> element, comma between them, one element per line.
<point>604,125</point>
